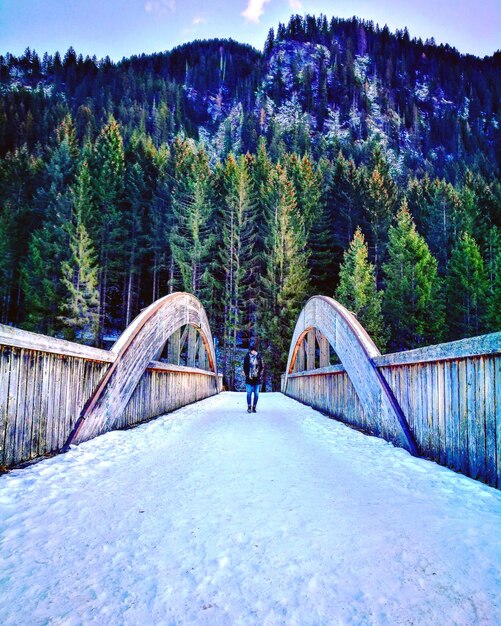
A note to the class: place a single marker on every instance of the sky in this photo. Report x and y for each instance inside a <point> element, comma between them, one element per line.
<point>119,28</point>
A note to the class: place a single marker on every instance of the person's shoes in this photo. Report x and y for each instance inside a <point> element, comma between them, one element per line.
<point>248,409</point>
<point>253,409</point>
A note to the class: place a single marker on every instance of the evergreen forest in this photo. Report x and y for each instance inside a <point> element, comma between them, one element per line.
<point>343,160</point>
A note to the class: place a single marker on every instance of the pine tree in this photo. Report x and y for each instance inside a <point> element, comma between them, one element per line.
<point>357,290</point>
<point>380,198</point>
<point>39,283</point>
<point>321,241</point>
<point>493,257</point>
<point>307,187</point>
<point>108,175</point>
<point>6,261</point>
<point>270,40</point>
<point>307,180</point>
<point>49,244</point>
<point>262,199</point>
<point>344,202</point>
<point>192,238</point>
<point>19,173</point>
<point>158,223</point>
<point>80,309</point>
<point>83,194</point>
<point>412,298</point>
<point>287,280</point>
<point>134,208</point>
<point>236,251</point>
<point>467,288</point>
<point>439,209</point>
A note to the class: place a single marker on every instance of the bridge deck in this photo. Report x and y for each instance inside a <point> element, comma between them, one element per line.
<point>213,516</point>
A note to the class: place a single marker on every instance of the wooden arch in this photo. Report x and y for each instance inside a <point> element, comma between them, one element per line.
<point>356,350</point>
<point>134,350</point>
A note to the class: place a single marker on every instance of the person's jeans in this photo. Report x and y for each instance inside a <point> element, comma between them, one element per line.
<point>252,389</point>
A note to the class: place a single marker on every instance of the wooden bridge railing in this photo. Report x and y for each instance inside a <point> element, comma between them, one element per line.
<point>47,383</point>
<point>449,394</point>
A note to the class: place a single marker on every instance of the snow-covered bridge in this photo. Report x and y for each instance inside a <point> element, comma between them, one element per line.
<point>441,402</point>
<point>209,515</point>
<point>213,516</point>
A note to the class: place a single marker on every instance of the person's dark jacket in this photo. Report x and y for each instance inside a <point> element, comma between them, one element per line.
<point>256,380</point>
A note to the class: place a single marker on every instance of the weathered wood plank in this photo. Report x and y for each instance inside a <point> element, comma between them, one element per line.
<point>192,346</point>
<point>463,417</point>
<point>473,346</point>
<point>329,369</point>
<point>5,363</point>
<point>11,454</point>
<point>301,357</point>
<point>324,350</point>
<point>31,422</point>
<point>472,430</point>
<point>490,422</point>
<point>34,396</point>
<point>43,405</point>
<point>419,413</point>
<point>447,409</point>
<point>440,408</point>
<point>454,418</point>
<point>497,412</point>
<point>59,390</point>
<point>15,337</point>
<point>310,349</point>
<point>169,367</point>
<point>174,347</point>
<point>202,357</point>
<point>480,418</point>
<point>20,433</point>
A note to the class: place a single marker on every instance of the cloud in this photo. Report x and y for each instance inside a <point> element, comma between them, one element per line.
<point>254,10</point>
<point>160,6</point>
<point>295,5</point>
<point>192,30</point>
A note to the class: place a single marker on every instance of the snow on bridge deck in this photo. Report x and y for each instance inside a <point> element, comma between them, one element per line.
<point>213,516</point>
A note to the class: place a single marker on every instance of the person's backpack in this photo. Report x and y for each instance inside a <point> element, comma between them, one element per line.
<point>253,366</point>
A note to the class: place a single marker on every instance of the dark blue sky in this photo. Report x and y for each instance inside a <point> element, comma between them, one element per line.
<point>123,27</point>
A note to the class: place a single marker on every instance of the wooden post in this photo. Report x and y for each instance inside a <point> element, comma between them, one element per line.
<point>192,345</point>
<point>310,350</point>
<point>324,350</point>
<point>202,356</point>
<point>300,358</point>
<point>174,347</point>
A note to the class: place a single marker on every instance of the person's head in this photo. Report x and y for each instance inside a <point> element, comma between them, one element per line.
<point>252,348</point>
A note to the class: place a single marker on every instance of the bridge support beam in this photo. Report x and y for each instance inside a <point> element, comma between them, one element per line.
<point>202,356</point>
<point>310,349</point>
<point>174,347</point>
<point>192,346</point>
<point>324,350</point>
<point>300,358</point>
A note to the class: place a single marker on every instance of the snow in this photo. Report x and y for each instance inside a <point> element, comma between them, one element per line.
<point>292,59</point>
<point>213,516</point>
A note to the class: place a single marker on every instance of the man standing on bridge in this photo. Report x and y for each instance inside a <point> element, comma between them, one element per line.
<point>253,370</point>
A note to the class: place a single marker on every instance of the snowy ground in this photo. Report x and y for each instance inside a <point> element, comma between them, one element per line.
<point>213,516</point>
